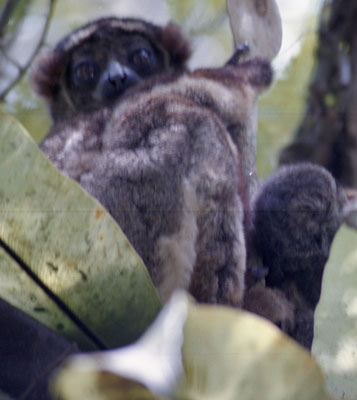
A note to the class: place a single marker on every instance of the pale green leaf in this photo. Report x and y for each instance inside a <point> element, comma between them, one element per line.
<point>224,354</point>
<point>63,259</point>
<point>335,341</point>
<point>230,355</point>
<point>350,213</point>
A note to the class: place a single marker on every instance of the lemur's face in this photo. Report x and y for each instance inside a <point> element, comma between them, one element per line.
<point>97,63</point>
<point>102,68</point>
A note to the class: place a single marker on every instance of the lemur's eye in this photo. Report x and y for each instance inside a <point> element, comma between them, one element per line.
<point>85,74</point>
<point>142,59</point>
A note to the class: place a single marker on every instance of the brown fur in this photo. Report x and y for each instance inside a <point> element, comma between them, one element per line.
<point>167,160</point>
<point>47,75</point>
<point>272,305</point>
<point>175,43</point>
<point>148,155</point>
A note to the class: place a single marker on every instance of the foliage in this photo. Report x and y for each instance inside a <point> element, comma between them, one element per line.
<point>65,262</point>
<point>215,352</point>
<point>63,259</point>
<point>335,345</point>
<point>277,116</point>
<point>22,69</point>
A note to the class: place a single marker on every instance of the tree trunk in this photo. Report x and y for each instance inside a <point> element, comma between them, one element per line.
<point>328,132</point>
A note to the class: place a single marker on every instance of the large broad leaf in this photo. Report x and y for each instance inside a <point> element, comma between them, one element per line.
<point>63,259</point>
<point>197,352</point>
<point>335,342</point>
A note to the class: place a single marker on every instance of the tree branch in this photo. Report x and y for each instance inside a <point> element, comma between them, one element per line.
<point>23,69</point>
<point>5,14</point>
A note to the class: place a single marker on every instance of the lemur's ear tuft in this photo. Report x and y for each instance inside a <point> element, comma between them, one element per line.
<point>176,44</point>
<point>46,73</point>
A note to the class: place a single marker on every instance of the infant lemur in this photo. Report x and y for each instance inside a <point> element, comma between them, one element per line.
<point>166,151</point>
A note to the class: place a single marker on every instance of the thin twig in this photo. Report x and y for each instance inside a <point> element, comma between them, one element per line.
<point>23,70</point>
<point>13,62</point>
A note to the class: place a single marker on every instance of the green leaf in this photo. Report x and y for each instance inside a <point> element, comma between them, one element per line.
<point>335,341</point>
<point>205,352</point>
<point>63,259</point>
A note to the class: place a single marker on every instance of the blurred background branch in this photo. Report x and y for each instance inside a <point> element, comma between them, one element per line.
<point>6,15</point>
<point>327,134</point>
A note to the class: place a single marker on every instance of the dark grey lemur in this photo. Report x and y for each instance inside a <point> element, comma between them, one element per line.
<point>296,215</point>
<point>164,157</point>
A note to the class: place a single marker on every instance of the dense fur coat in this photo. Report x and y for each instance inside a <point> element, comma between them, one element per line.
<point>164,164</point>
<point>166,158</point>
<point>296,215</point>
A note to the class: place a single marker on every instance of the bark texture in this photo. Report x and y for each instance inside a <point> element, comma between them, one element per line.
<point>328,132</point>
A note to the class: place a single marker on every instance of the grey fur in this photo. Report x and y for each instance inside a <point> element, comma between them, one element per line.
<point>167,161</point>
<point>296,215</point>
<point>149,162</point>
